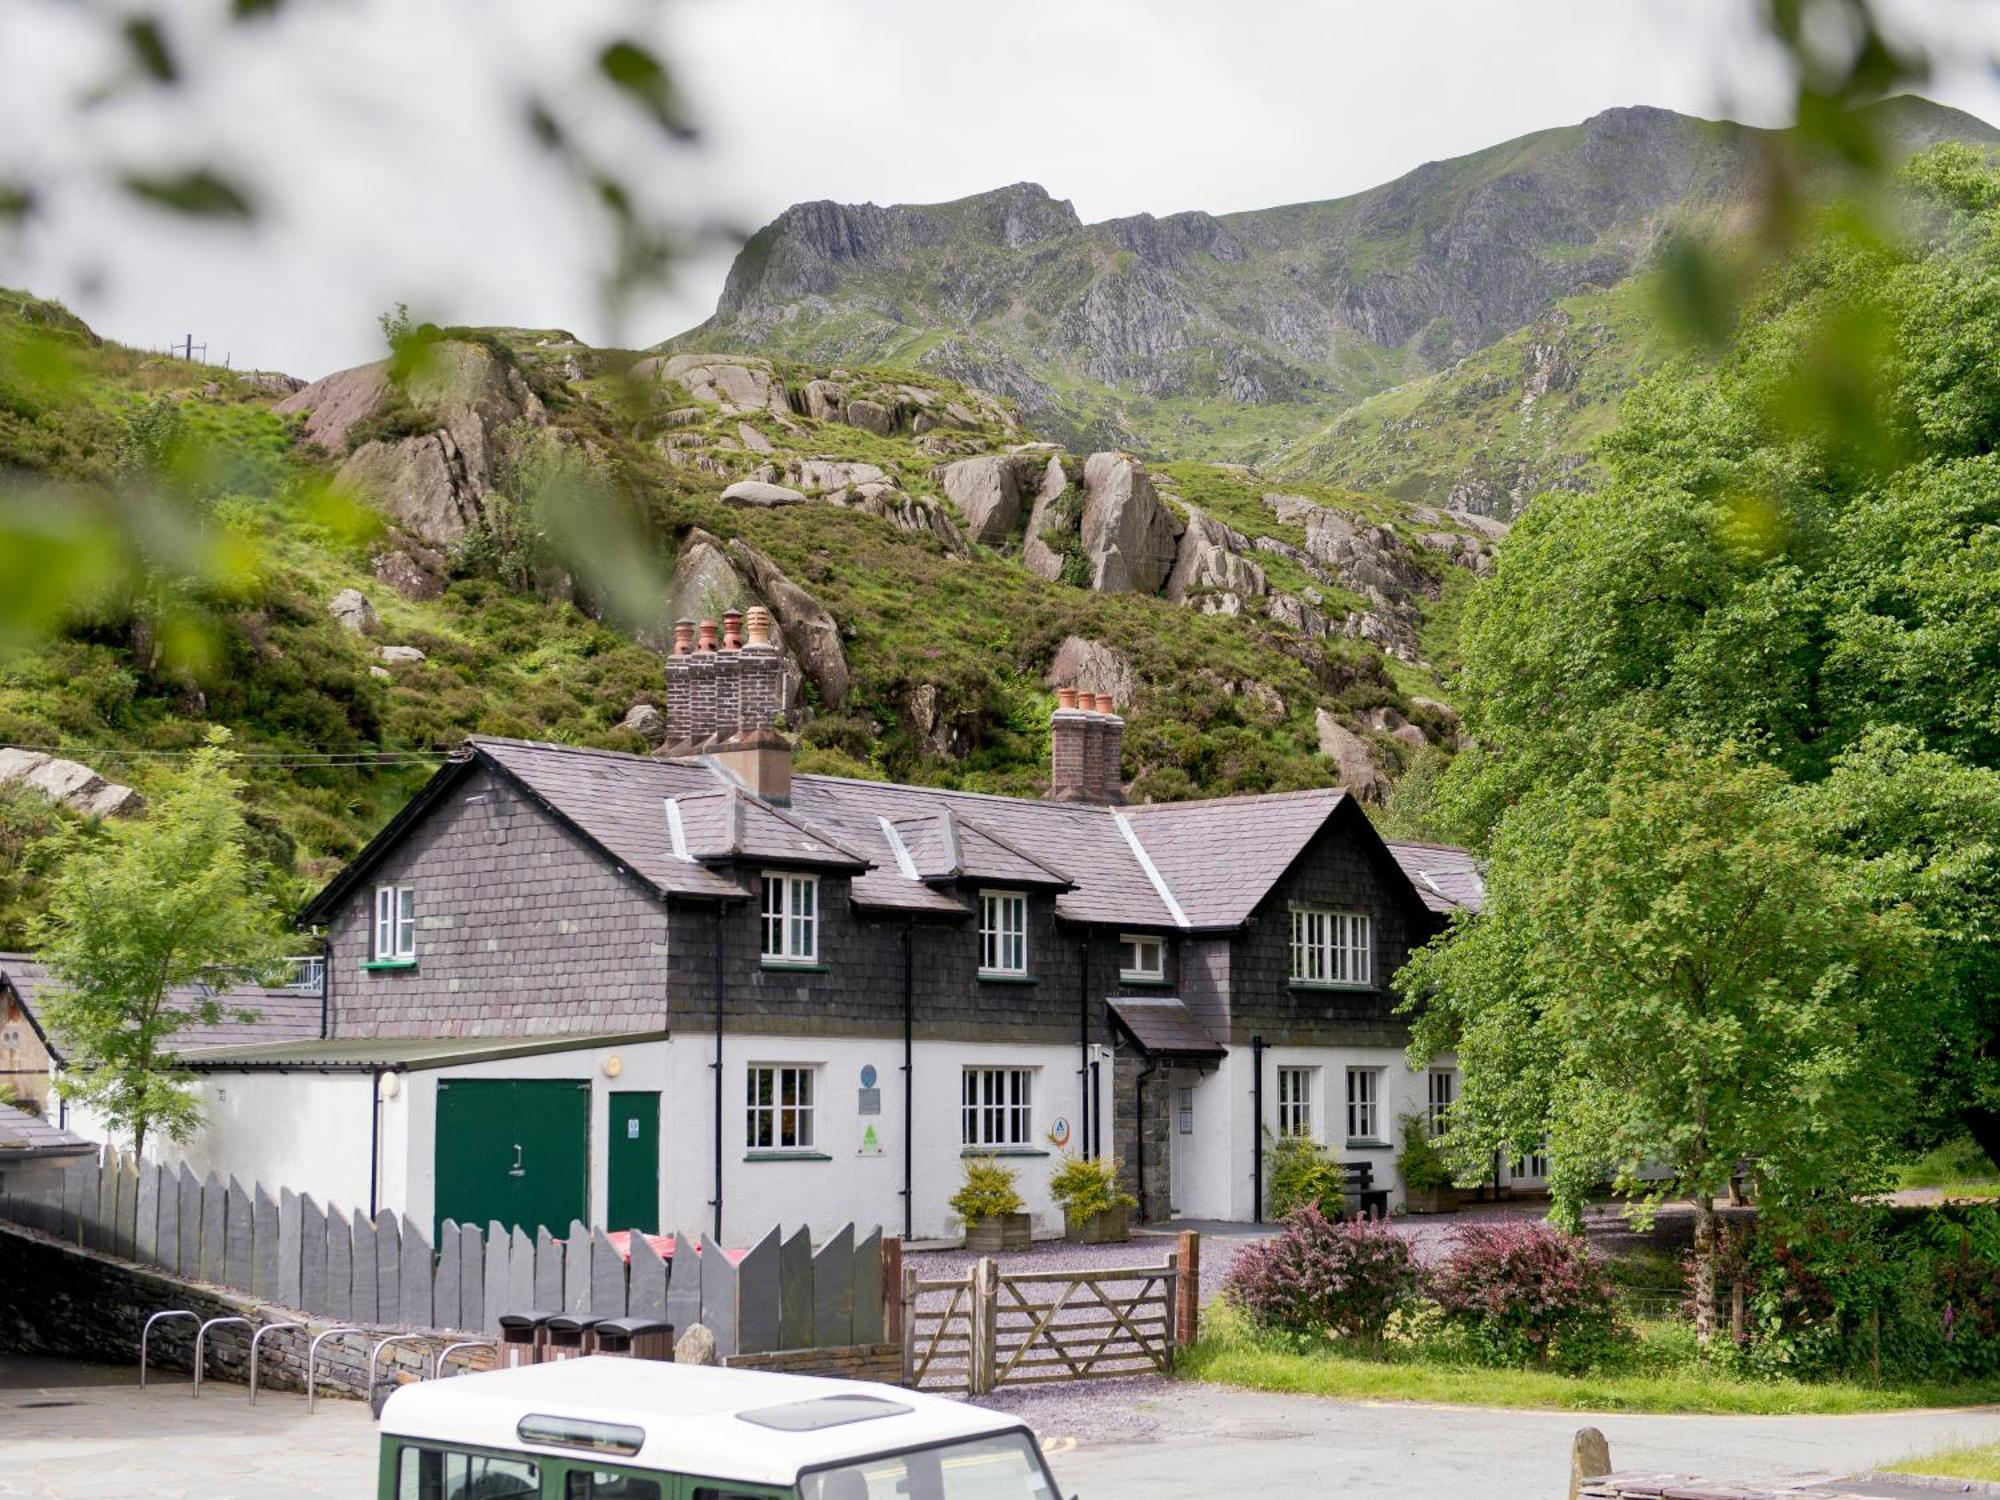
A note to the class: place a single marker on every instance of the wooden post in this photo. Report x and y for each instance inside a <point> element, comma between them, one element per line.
<point>1736,1312</point>
<point>1187,1290</point>
<point>985,1314</point>
<point>906,1317</point>
<point>893,1295</point>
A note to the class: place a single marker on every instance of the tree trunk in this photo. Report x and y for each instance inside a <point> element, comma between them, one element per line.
<point>1984,1126</point>
<point>1704,1268</point>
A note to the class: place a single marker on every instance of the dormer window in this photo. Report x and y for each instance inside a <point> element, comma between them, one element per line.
<point>395,923</point>
<point>1141,959</point>
<point>1003,932</point>
<point>791,919</point>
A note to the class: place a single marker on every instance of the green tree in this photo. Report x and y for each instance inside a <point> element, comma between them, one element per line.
<point>140,909</point>
<point>1795,554</point>
<point>1673,972</point>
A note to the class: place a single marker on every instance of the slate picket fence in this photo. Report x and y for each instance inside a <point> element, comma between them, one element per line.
<point>780,1294</point>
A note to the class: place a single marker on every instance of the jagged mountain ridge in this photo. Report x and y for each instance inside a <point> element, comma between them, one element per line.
<point>1237,336</point>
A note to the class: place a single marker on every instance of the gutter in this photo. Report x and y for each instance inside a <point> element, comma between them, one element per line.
<point>1257,1129</point>
<point>375,1143</point>
<point>716,1201</point>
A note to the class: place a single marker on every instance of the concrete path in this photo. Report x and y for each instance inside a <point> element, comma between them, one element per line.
<point>1206,1441</point>
<point>70,1432</point>
<point>87,1432</point>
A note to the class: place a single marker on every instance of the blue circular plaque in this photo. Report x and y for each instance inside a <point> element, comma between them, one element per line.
<point>868,1075</point>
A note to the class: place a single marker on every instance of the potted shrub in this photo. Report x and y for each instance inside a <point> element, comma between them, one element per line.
<point>1427,1184</point>
<point>1095,1210</point>
<point>990,1208</point>
<point>1303,1175</point>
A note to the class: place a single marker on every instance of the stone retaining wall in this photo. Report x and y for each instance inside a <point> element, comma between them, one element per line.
<point>58,1299</point>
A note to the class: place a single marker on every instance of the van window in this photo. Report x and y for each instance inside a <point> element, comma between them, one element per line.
<point>601,1485</point>
<point>442,1474</point>
<point>1002,1467</point>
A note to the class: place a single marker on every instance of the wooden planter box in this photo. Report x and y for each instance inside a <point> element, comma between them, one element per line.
<point>1112,1227</point>
<point>1442,1200</point>
<point>989,1236</point>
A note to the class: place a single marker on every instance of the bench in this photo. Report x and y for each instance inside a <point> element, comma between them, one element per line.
<point>1360,1191</point>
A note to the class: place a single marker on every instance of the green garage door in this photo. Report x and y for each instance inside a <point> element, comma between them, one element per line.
<point>513,1149</point>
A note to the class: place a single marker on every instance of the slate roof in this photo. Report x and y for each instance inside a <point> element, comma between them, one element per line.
<point>281,1014</point>
<point>26,1137</point>
<point>1221,856</point>
<point>1164,1027</point>
<point>673,825</point>
<point>400,1054</point>
<point>1446,877</point>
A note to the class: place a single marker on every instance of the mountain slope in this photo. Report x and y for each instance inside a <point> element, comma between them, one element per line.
<point>923,638</point>
<point>1235,337</point>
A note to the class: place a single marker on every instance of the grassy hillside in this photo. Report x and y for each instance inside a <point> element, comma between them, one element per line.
<point>337,738</point>
<point>1500,426</point>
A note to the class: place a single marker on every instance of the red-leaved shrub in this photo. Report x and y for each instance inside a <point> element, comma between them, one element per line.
<point>1527,1294</point>
<point>1318,1276</point>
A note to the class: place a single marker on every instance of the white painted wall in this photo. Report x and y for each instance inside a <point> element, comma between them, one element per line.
<point>852,1185</point>
<point>305,1131</point>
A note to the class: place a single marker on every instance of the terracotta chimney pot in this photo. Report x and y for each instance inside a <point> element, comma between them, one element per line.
<point>683,637</point>
<point>1066,697</point>
<point>732,629</point>
<point>759,622</point>
<point>708,635</point>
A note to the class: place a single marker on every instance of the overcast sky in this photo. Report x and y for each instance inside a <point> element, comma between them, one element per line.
<point>383,136</point>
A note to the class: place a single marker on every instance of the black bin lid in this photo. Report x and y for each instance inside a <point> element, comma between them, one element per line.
<point>633,1327</point>
<point>572,1322</point>
<point>531,1319</point>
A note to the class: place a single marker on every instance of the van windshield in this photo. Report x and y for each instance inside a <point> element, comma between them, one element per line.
<point>1003,1467</point>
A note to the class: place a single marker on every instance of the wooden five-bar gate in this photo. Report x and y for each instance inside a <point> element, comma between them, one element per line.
<point>991,1328</point>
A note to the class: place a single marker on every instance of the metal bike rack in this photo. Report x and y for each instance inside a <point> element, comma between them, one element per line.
<point>201,1338</point>
<point>256,1339</point>
<point>375,1354</point>
<point>437,1363</point>
<point>312,1357</point>
<point>147,1332</point>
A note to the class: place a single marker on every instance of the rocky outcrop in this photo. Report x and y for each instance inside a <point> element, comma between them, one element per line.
<point>735,384</point>
<point>989,492</point>
<point>1095,668</point>
<point>335,403</point>
<point>434,484</point>
<point>763,496</point>
<point>646,721</point>
<point>69,783</point>
<point>1372,561</point>
<point>1351,757</point>
<point>941,732</point>
<point>355,613</point>
<point>917,514</point>
<point>1211,561</point>
<point>705,584</point>
<point>1128,535</point>
<point>411,569</point>
<point>809,632</point>
<point>1051,524</point>
<point>401,656</point>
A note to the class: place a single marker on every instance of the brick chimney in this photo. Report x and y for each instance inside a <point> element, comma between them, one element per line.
<point>1069,733</point>
<point>725,690</point>
<point>1093,746</point>
<point>1112,728</point>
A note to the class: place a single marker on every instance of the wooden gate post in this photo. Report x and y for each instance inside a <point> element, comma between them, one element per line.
<point>1187,1290</point>
<point>893,1296</point>
<point>906,1321</point>
<point>985,1318</point>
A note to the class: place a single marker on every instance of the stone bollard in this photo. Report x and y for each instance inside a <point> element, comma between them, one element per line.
<point>1589,1458</point>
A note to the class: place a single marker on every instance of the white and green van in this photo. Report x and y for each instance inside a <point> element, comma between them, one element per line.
<point>624,1429</point>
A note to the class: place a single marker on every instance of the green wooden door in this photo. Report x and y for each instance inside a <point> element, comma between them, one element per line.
<point>513,1149</point>
<point>632,1200</point>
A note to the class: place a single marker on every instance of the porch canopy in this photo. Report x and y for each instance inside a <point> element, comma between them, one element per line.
<point>1164,1027</point>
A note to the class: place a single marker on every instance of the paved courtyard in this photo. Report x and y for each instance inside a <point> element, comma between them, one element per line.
<point>78,1432</point>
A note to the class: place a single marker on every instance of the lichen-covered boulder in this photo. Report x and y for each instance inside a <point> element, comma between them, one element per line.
<point>352,609</point>
<point>1052,524</point>
<point>756,493</point>
<point>1129,535</point>
<point>1210,560</point>
<point>988,491</point>
<point>1351,757</point>
<point>810,632</point>
<point>735,383</point>
<point>1094,667</point>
